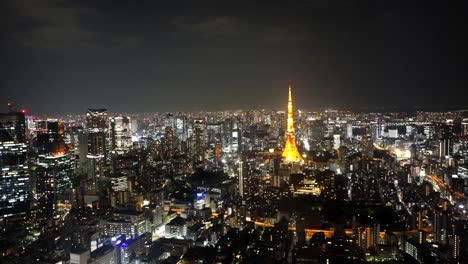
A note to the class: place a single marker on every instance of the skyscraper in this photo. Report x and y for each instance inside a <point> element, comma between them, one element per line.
<point>97,122</point>
<point>14,174</point>
<point>14,123</point>
<point>243,173</point>
<point>199,141</point>
<point>464,127</point>
<point>52,168</point>
<point>441,226</point>
<point>168,148</point>
<point>445,132</point>
<point>290,153</point>
<point>121,134</point>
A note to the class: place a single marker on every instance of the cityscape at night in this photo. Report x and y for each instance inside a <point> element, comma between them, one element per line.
<point>180,132</point>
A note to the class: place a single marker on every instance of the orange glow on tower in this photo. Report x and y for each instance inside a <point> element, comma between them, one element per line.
<point>290,152</point>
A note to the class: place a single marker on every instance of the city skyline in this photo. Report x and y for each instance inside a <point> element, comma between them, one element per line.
<point>212,56</point>
<point>327,186</point>
<point>233,132</point>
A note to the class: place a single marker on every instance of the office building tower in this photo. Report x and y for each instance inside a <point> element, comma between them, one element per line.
<point>72,139</point>
<point>83,161</point>
<point>373,235</point>
<point>170,121</point>
<point>181,127</point>
<point>244,173</point>
<point>413,249</point>
<point>168,144</point>
<point>97,120</point>
<point>456,246</point>
<point>214,134</point>
<point>121,134</point>
<point>97,126</point>
<point>281,122</point>
<point>464,125</point>
<point>134,126</point>
<point>14,173</point>
<point>349,131</point>
<point>266,119</point>
<point>316,129</point>
<point>236,140</point>
<point>336,141</point>
<point>445,132</point>
<point>440,227</point>
<point>300,230</point>
<point>52,168</point>
<point>199,142</point>
<point>14,123</point>
<point>421,237</point>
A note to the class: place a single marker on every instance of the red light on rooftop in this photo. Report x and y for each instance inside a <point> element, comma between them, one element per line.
<point>9,104</point>
<point>23,111</point>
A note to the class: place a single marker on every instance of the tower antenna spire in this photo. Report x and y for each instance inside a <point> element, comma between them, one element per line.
<point>290,153</point>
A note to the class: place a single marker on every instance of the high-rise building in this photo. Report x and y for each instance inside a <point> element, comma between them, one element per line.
<point>214,134</point>
<point>199,141</point>
<point>464,127</point>
<point>300,230</point>
<point>83,162</point>
<point>52,169</point>
<point>440,227</point>
<point>14,123</point>
<point>349,130</point>
<point>372,236</point>
<point>421,237</point>
<point>181,127</point>
<point>168,146</point>
<point>280,123</point>
<point>316,129</point>
<point>244,171</point>
<point>14,173</point>
<point>457,246</point>
<point>97,126</point>
<point>97,120</point>
<point>290,152</point>
<point>121,134</point>
<point>236,139</point>
<point>336,141</point>
<point>445,132</point>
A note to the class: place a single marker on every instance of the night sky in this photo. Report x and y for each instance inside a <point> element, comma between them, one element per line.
<point>149,56</point>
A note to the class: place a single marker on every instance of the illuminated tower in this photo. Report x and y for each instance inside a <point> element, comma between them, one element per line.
<point>120,134</point>
<point>97,126</point>
<point>15,177</point>
<point>52,170</point>
<point>290,153</point>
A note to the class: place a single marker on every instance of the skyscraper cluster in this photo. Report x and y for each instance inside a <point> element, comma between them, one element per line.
<point>250,186</point>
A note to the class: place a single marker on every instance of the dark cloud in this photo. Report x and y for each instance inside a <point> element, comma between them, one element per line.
<point>184,54</point>
<point>210,26</point>
<point>51,24</point>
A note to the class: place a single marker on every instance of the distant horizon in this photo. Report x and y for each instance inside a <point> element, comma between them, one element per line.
<point>381,109</point>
